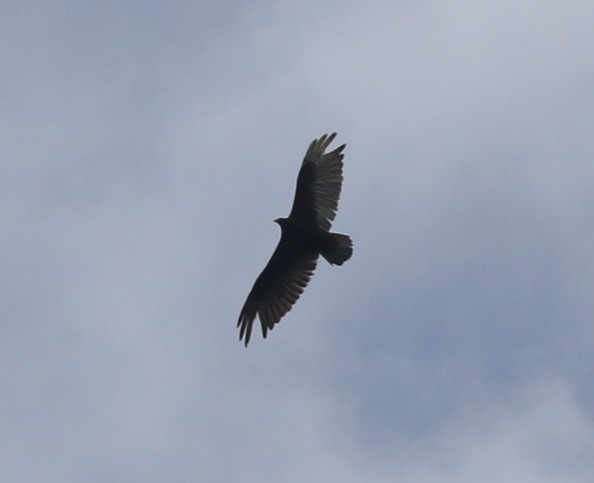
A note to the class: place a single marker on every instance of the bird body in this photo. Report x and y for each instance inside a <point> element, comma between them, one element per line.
<point>305,235</point>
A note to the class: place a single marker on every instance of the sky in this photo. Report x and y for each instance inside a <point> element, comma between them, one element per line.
<point>147,147</point>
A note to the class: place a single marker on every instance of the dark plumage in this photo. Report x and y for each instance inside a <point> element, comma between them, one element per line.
<point>305,236</point>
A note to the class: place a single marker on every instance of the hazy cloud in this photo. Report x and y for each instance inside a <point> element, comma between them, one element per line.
<point>147,149</point>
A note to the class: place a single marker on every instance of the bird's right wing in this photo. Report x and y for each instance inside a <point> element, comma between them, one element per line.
<point>276,289</point>
<point>319,183</point>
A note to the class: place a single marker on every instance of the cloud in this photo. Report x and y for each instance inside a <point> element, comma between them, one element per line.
<point>147,151</point>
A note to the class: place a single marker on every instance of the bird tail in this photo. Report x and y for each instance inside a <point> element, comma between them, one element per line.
<point>341,252</point>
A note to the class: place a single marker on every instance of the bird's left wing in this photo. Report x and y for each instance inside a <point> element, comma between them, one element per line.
<point>319,183</point>
<point>276,289</point>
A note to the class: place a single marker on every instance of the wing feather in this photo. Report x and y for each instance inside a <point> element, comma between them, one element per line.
<point>276,289</point>
<point>319,183</point>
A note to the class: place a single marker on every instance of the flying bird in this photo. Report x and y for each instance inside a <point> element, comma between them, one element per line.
<point>305,235</point>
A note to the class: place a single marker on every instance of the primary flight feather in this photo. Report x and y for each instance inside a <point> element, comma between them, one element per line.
<point>305,235</point>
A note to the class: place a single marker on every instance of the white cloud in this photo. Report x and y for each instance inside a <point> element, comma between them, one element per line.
<point>147,151</point>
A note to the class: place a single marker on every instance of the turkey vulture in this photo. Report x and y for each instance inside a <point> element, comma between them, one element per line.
<point>305,235</point>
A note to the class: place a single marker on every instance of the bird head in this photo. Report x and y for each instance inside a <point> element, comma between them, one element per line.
<point>280,221</point>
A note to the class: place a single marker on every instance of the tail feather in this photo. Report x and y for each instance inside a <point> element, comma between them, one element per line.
<point>342,252</point>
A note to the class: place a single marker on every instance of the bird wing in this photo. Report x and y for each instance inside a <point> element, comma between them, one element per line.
<point>319,183</point>
<point>277,288</point>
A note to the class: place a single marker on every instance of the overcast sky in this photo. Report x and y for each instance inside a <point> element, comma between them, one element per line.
<point>147,147</point>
